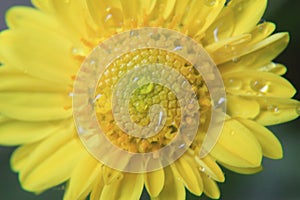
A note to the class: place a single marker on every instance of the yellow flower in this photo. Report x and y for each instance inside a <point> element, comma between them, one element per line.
<point>44,47</point>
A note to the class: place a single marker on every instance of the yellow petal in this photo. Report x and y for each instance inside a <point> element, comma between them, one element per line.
<point>238,17</point>
<point>130,187</point>
<point>26,83</point>
<point>83,175</point>
<point>211,168</point>
<point>107,15</point>
<point>186,170</point>
<point>251,83</point>
<point>238,106</point>
<point>97,188</point>
<point>43,149</point>
<point>4,119</point>
<point>211,189</point>
<point>162,10</point>
<point>271,67</point>
<point>237,146</point>
<point>18,132</point>
<point>20,156</point>
<point>201,15</point>
<point>67,14</point>
<point>54,170</point>
<point>243,170</point>
<point>45,6</point>
<point>259,54</point>
<point>173,189</point>
<point>16,47</point>
<point>275,68</point>
<point>154,182</point>
<point>111,175</point>
<point>277,110</point>
<point>35,106</point>
<point>271,146</point>
<point>261,31</point>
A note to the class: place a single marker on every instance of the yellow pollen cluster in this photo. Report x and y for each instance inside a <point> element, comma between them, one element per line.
<point>143,98</point>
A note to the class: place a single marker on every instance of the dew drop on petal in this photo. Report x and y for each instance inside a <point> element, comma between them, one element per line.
<point>202,169</point>
<point>210,2</point>
<point>177,48</point>
<point>233,83</point>
<point>235,59</point>
<point>273,108</point>
<point>259,86</point>
<point>108,17</point>
<point>71,94</point>
<point>216,33</point>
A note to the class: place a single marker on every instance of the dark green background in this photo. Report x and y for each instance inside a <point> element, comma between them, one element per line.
<point>279,180</point>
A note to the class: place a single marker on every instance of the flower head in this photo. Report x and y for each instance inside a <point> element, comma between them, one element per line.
<point>51,49</point>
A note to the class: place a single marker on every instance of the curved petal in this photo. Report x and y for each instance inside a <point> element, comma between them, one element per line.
<point>211,168</point>
<point>211,189</point>
<point>130,187</point>
<point>110,175</point>
<point>17,47</point>
<point>186,170</point>
<point>271,67</point>
<point>271,146</point>
<point>37,152</point>
<point>154,182</point>
<point>237,146</point>
<point>243,170</point>
<point>201,15</point>
<point>257,55</point>
<point>25,83</point>
<point>239,106</point>
<point>173,189</point>
<point>18,132</point>
<point>251,83</point>
<point>35,106</point>
<point>238,17</point>
<point>54,169</point>
<point>277,110</point>
<point>83,175</point>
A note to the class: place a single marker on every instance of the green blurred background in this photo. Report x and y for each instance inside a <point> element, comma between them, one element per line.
<point>279,180</point>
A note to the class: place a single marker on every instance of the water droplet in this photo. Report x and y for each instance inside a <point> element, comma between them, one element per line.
<point>235,59</point>
<point>261,28</point>
<point>74,50</point>
<point>134,33</point>
<point>232,133</point>
<point>260,86</point>
<point>221,101</point>
<point>71,94</point>
<point>108,9</point>
<point>216,33</point>
<point>92,62</point>
<point>273,108</point>
<point>181,146</point>
<point>108,17</point>
<point>177,48</point>
<point>233,83</point>
<point>97,97</point>
<point>202,169</point>
<point>239,7</point>
<point>210,2</point>
<point>66,1</point>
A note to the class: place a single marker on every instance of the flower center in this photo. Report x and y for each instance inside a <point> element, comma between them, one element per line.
<point>145,97</point>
